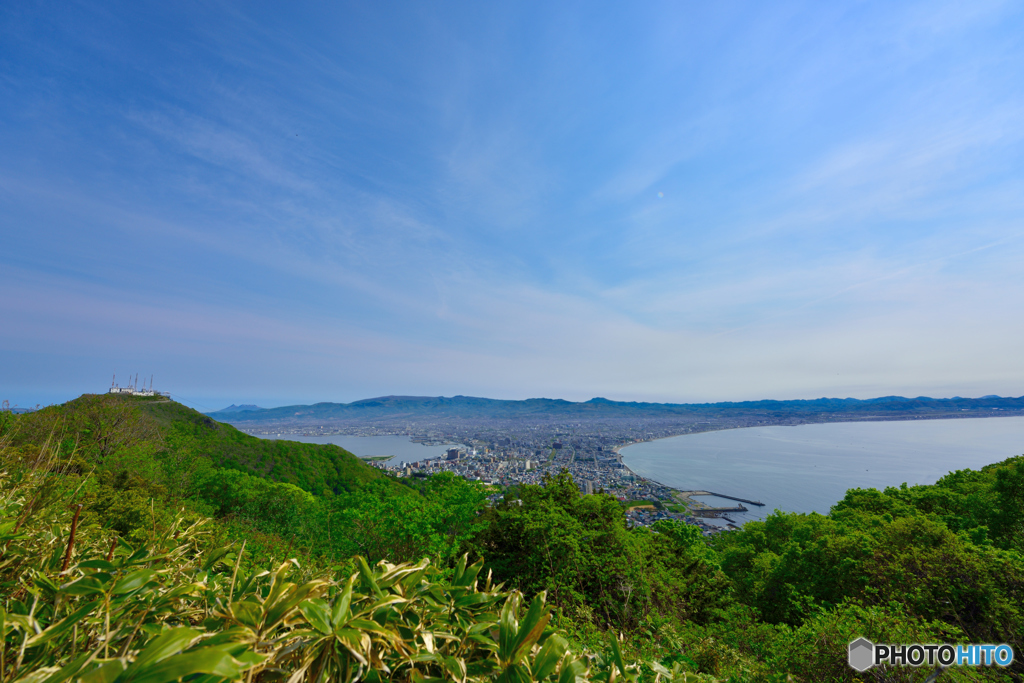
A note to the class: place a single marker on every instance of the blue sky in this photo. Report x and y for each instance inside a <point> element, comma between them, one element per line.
<point>680,201</point>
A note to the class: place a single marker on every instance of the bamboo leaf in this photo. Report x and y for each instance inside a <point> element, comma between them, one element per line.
<point>317,614</point>
<point>247,613</point>
<point>210,660</point>
<point>456,667</point>
<point>546,661</point>
<point>92,584</point>
<point>39,675</point>
<point>106,672</point>
<point>508,628</point>
<point>531,629</point>
<point>97,564</point>
<point>572,670</point>
<point>389,600</point>
<point>68,670</point>
<point>166,644</point>
<point>460,569</point>
<point>617,656</point>
<point>63,625</point>
<point>367,575</point>
<point>340,611</point>
<point>213,556</point>
<point>133,581</point>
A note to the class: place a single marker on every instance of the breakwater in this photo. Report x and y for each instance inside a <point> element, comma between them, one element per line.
<point>690,494</point>
<point>722,495</point>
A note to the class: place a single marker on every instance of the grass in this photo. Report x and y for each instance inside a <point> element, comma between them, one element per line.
<point>80,603</point>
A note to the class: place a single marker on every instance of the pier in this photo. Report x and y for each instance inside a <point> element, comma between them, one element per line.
<point>722,495</point>
<point>715,512</point>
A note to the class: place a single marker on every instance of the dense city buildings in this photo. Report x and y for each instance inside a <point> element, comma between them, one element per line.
<point>513,452</point>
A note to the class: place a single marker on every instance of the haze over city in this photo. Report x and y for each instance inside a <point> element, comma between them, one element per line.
<point>680,202</point>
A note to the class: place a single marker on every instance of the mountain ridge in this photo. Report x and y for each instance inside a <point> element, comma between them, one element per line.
<point>472,407</point>
<point>244,408</point>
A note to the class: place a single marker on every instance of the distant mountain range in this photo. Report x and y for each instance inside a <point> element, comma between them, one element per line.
<point>465,408</point>
<point>237,409</point>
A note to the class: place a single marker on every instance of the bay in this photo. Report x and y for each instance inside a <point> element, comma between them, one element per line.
<point>809,468</point>
<point>366,446</point>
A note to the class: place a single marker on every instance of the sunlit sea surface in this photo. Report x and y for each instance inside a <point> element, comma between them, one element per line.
<point>398,446</point>
<point>809,467</point>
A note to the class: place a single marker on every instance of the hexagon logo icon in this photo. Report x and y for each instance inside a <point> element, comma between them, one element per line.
<point>861,654</point>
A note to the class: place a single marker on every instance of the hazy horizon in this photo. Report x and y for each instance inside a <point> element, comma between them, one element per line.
<point>666,202</point>
<point>271,403</point>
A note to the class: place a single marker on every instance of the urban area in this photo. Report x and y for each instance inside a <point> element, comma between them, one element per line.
<point>511,453</point>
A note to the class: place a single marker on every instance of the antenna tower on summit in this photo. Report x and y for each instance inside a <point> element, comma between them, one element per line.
<point>132,389</point>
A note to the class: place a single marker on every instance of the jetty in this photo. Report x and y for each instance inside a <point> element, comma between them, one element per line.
<point>715,512</point>
<point>722,495</point>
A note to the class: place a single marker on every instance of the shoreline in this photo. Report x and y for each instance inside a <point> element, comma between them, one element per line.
<point>681,497</point>
<point>868,418</point>
<point>686,496</point>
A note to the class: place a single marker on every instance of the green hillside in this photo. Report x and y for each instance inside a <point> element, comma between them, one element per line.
<point>177,528</point>
<point>99,426</point>
<point>140,462</point>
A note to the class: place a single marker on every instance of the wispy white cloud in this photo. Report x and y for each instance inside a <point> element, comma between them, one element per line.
<point>220,146</point>
<point>469,205</point>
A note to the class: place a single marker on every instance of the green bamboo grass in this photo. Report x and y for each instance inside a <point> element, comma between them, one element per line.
<point>81,604</point>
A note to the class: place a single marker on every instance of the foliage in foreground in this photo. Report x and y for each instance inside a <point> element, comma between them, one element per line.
<point>777,601</point>
<point>80,604</point>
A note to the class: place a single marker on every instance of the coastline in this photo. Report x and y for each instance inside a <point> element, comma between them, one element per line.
<point>682,497</point>
<point>870,418</point>
<point>817,492</point>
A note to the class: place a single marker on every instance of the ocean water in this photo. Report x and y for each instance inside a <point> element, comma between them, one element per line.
<point>809,467</point>
<point>398,446</point>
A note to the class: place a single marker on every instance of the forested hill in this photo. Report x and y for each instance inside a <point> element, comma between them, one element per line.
<point>101,426</point>
<point>542,409</point>
<point>125,545</point>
